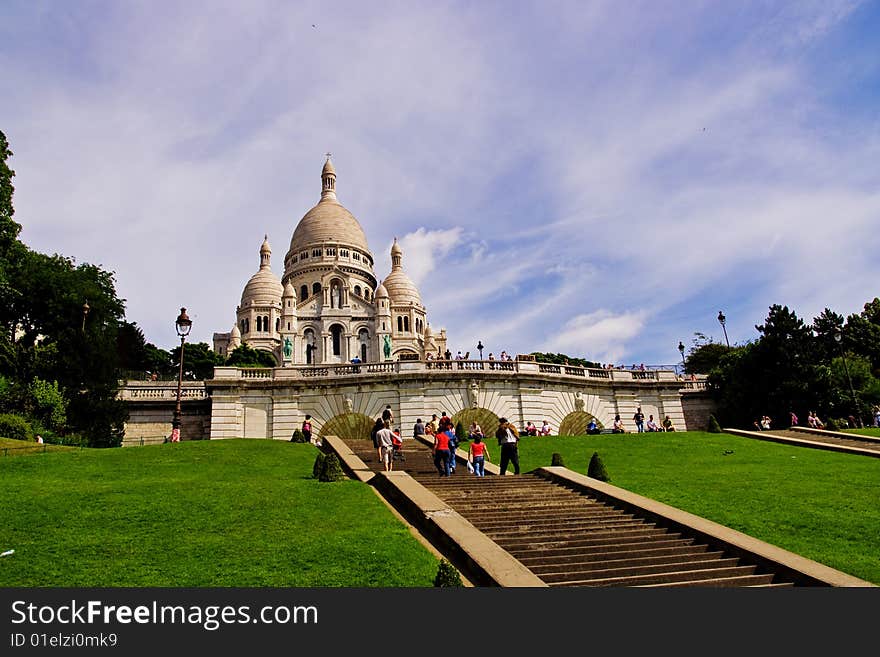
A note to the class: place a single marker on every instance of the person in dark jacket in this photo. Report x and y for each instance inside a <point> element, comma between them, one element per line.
<point>508,437</point>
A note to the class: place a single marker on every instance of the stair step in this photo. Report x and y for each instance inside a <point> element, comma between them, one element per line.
<point>668,578</point>
<point>552,566</point>
<point>676,567</point>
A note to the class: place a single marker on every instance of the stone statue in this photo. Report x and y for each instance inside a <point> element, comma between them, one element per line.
<point>334,297</point>
<point>578,402</point>
<point>473,390</point>
<point>288,347</point>
<point>387,346</point>
<point>349,405</point>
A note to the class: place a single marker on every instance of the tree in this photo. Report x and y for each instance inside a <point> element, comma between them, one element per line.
<point>562,359</point>
<point>199,360</point>
<point>245,356</point>
<point>705,355</point>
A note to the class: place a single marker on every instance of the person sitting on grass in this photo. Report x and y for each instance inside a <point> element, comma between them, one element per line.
<point>652,425</point>
<point>667,424</point>
<point>617,427</point>
<point>592,427</point>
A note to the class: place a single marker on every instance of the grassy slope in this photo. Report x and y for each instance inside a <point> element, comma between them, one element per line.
<point>12,447</point>
<point>820,504</point>
<point>212,513</point>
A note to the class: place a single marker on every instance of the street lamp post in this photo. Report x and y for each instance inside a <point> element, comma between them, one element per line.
<point>183,326</point>
<point>480,348</point>
<point>681,351</point>
<point>723,321</point>
<point>838,338</point>
<point>85,313</point>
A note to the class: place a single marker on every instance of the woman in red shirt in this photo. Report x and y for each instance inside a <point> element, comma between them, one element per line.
<point>478,454</point>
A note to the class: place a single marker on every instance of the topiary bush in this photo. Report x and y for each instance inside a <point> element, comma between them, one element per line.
<point>15,426</point>
<point>460,433</point>
<point>556,459</point>
<point>596,469</point>
<point>331,470</point>
<point>298,437</point>
<point>714,427</point>
<point>447,575</point>
<point>319,465</point>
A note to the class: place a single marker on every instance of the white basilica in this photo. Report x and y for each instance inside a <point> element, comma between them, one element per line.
<point>328,307</point>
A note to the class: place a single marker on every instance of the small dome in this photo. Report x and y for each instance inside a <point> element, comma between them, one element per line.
<point>328,167</point>
<point>235,333</point>
<point>395,248</point>
<point>264,287</point>
<point>401,289</point>
<point>288,290</point>
<point>428,331</point>
<point>381,292</point>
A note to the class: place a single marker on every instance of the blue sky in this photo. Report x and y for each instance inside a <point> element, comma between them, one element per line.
<point>596,178</point>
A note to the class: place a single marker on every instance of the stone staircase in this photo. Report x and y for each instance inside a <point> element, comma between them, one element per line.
<point>568,538</point>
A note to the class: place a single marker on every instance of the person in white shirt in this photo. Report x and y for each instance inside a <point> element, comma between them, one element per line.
<point>385,440</point>
<point>545,429</point>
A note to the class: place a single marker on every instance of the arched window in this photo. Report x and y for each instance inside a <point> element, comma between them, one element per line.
<point>259,323</point>
<point>406,324</point>
<point>336,338</point>
<point>266,326</point>
<point>303,293</point>
<point>357,290</point>
<point>364,339</point>
<point>400,324</point>
<point>277,324</point>
<point>316,287</point>
<point>309,346</point>
<point>243,325</point>
<point>367,294</point>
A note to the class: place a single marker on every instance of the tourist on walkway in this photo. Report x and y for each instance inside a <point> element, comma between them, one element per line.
<point>478,454</point>
<point>639,419</point>
<point>418,429</point>
<point>385,439</point>
<point>307,428</point>
<point>453,443</point>
<point>508,436</point>
<point>388,415</point>
<point>379,424</point>
<point>434,424</point>
<point>793,418</point>
<point>441,451</point>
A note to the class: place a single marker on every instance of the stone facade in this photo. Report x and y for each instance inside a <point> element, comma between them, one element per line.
<point>255,403</point>
<point>329,307</point>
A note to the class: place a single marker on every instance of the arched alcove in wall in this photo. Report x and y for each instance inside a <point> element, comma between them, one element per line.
<point>348,426</point>
<point>575,424</point>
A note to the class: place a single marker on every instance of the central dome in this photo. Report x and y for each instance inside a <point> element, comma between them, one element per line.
<point>328,221</point>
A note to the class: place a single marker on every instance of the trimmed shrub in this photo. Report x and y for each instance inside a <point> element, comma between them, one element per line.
<point>331,470</point>
<point>15,426</point>
<point>447,575</point>
<point>298,437</point>
<point>714,427</point>
<point>596,469</point>
<point>319,465</point>
<point>831,425</point>
<point>556,459</point>
<point>460,433</point>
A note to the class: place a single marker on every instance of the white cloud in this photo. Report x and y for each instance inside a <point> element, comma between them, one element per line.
<point>600,333</point>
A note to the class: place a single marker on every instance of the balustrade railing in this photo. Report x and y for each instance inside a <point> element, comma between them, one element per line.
<point>409,366</point>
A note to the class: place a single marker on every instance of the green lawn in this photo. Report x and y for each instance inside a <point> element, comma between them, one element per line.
<point>206,513</point>
<point>868,431</point>
<point>819,504</point>
<point>11,447</point>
